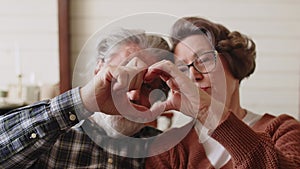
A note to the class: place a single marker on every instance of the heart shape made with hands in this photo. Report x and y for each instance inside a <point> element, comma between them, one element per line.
<point>135,98</point>
<point>153,84</point>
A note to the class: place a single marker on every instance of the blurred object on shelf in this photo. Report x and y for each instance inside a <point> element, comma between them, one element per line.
<point>7,104</point>
<point>30,93</point>
<point>3,93</point>
<point>48,91</point>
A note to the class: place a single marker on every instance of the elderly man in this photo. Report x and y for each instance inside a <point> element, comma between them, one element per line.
<point>49,134</point>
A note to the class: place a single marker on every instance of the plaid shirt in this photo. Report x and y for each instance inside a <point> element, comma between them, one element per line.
<point>42,136</point>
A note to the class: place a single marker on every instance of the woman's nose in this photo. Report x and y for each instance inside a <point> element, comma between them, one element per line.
<point>195,74</point>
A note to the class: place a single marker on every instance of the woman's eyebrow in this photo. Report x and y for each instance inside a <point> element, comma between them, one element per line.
<point>199,52</point>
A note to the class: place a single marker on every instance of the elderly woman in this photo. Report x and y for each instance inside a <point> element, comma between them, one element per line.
<point>225,135</point>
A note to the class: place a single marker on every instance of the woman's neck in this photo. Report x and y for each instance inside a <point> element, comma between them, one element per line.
<point>234,105</point>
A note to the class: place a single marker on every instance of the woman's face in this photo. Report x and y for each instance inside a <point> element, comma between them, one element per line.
<point>219,80</point>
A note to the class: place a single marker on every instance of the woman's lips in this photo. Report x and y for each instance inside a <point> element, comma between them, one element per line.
<point>205,88</point>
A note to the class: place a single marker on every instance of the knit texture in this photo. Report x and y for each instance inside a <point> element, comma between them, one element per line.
<point>273,142</point>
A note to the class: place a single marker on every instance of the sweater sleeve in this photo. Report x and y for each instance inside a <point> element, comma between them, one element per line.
<point>278,146</point>
<point>172,159</point>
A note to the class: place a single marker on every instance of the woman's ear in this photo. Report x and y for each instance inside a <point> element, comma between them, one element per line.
<point>99,65</point>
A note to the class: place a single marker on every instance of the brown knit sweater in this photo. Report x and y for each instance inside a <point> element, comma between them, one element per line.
<point>273,142</point>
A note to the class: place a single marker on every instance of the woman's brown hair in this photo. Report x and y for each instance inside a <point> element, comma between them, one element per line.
<point>238,49</point>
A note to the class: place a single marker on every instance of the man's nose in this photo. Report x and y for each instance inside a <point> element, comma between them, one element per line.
<point>134,95</point>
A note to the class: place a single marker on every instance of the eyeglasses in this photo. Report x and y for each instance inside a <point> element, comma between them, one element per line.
<point>203,63</point>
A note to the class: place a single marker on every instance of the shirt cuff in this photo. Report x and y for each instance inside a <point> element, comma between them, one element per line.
<point>68,109</point>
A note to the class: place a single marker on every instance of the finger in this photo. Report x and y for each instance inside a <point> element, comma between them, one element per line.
<point>164,65</point>
<point>167,70</point>
<point>158,108</point>
<point>137,80</point>
<point>189,96</point>
<point>161,69</point>
<point>137,69</point>
<point>126,78</point>
<point>173,85</point>
<point>136,63</point>
<point>153,73</point>
<point>120,78</point>
<point>156,69</point>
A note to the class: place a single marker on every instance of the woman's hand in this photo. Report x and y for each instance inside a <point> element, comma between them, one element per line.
<point>185,96</point>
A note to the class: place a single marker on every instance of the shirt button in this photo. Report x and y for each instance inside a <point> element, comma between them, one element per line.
<point>110,160</point>
<point>33,135</point>
<point>72,117</point>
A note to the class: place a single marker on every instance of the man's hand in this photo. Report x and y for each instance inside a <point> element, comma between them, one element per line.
<point>97,94</point>
<point>107,92</point>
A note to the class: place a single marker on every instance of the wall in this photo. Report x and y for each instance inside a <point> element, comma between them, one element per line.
<point>29,29</point>
<point>273,24</point>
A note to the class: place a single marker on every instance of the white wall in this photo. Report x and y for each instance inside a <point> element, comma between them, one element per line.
<point>30,27</point>
<point>273,24</point>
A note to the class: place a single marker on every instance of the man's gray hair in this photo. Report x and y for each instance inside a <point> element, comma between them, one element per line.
<point>124,37</point>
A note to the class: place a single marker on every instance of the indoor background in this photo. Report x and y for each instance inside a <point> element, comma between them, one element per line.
<point>29,40</point>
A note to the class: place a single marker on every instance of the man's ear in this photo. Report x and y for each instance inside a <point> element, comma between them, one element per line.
<point>99,65</point>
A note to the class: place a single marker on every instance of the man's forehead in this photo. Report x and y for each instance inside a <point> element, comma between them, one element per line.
<point>127,51</point>
<point>121,52</point>
<point>130,47</point>
<point>151,55</point>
